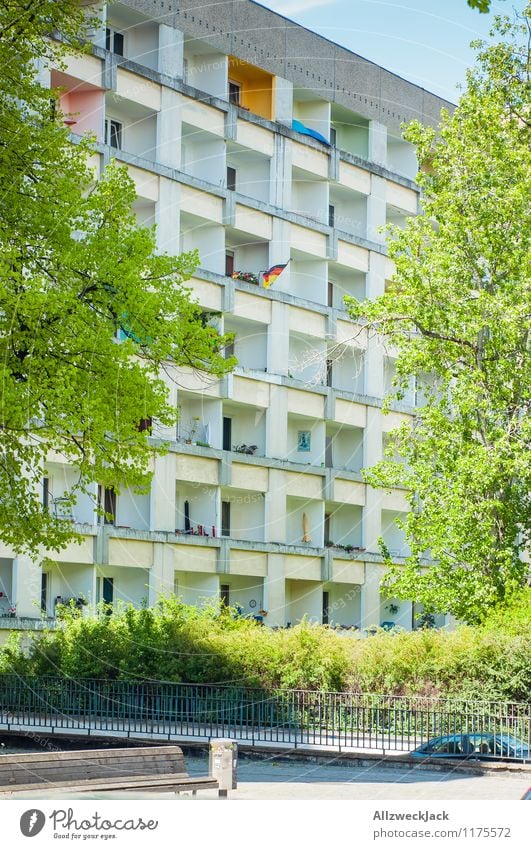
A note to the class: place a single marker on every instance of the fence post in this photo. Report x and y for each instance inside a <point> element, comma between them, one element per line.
<point>223,765</point>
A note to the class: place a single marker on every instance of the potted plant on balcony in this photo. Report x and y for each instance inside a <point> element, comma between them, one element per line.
<point>246,277</point>
<point>192,430</point>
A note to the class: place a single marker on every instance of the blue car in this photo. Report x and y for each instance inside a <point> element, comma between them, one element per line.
<point>476,745</point>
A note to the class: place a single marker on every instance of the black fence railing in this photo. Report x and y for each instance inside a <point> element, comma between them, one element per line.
<point>296,717</point>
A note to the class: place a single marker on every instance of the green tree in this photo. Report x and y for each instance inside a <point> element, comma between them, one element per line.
<point>481,5</point>
<point>75,273</point>
<point>458,316</point>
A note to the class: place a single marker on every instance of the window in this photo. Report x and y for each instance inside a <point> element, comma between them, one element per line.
<point>229,263</point>
<point>231,178</point>
<point>145,424</point>
<point>227,433</point>
<point>325,607</point>
<point>329,459</point>
<point>225,518</point>
<point>45,492</point>
<point>329,372</point>
<point>333,136</point>
<point>224,593</point>
<point>113,133</point>
<point>44,591</point>
<point>330,294</point>
<point>107,503</point>
<point>114,41</point>
<point>331,215</point>
<point>107,591</point>
<point>234,93</point>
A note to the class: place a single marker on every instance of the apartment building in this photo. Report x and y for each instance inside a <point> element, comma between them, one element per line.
<point>260,144</point>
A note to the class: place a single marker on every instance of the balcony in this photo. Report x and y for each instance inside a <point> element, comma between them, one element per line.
<point>312,113</point>
<point>244,429</point>
<point>204,68</point>
<point>144,212</point>
<point>307,359</point>
<point>306,440</point>
<point>81,103</point>
<point>195,587</point>
<point>349,211</point>
<point>6,585</point>
<point>304,521</point>
<point>242,514</point>
<point>199,231</point>
<point>401,157</point>
<point>390,383</point>
<point>131,127</point>
<point>245,254</point>
<point>245,594</point>
<point>395,613</point>
<point>60,482</point>
<point>63,582</point>
<point>196,509</point>
<point>250,88</point>
<point>26,623</point>
<point>248,172</point>
<point>342,605</point>
<point>393,536</point>
<point>350,132</point>
<point>305,278</point>
<point>250,342</point>
<point>202,155</point>
<point>121,584</point>
<point>343,526</point>
<point>304,599</point>
<point>344,448</point>
<point>131,36</point>
<point>132,510</point>
<point>344,282</point>
<point>309,196</point>
<point>346,369</point>
<point>395,216</point>
<point>199,420</point>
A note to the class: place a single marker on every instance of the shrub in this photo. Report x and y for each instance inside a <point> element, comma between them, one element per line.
<point>177,642</point>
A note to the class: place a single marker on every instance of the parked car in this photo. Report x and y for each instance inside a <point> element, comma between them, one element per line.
<point>477,745</point>
<point>527,794</point>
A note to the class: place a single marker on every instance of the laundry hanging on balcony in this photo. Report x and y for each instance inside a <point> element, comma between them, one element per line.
<point>301,128</point>
<point>272,273</point>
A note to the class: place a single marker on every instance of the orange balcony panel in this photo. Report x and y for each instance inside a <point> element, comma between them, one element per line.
<point>82,104</point>
<point>256,87</point>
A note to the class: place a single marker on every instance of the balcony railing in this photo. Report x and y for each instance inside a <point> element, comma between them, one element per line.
<point>26,623</point>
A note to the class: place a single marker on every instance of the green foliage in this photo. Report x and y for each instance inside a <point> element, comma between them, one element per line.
<point>480,5</point>
<point>458,316</point>
<point>75,270</point>
<point>176,642</point>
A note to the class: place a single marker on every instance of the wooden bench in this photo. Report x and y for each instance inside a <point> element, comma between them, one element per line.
<point>157,768</point>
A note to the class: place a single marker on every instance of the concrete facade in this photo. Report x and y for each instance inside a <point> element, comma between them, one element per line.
<point>288,528</point>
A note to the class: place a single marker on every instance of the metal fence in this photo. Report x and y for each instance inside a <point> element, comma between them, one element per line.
<point>294,717</point>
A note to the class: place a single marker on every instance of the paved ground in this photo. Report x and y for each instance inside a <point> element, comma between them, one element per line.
<point>275,779</point>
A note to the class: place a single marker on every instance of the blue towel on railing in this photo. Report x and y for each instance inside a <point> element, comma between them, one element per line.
<point>300,128</point>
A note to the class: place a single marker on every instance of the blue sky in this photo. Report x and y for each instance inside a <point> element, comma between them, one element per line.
<point>425,41</point>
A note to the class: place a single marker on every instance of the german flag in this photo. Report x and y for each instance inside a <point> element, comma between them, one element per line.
<point>271,275</point>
